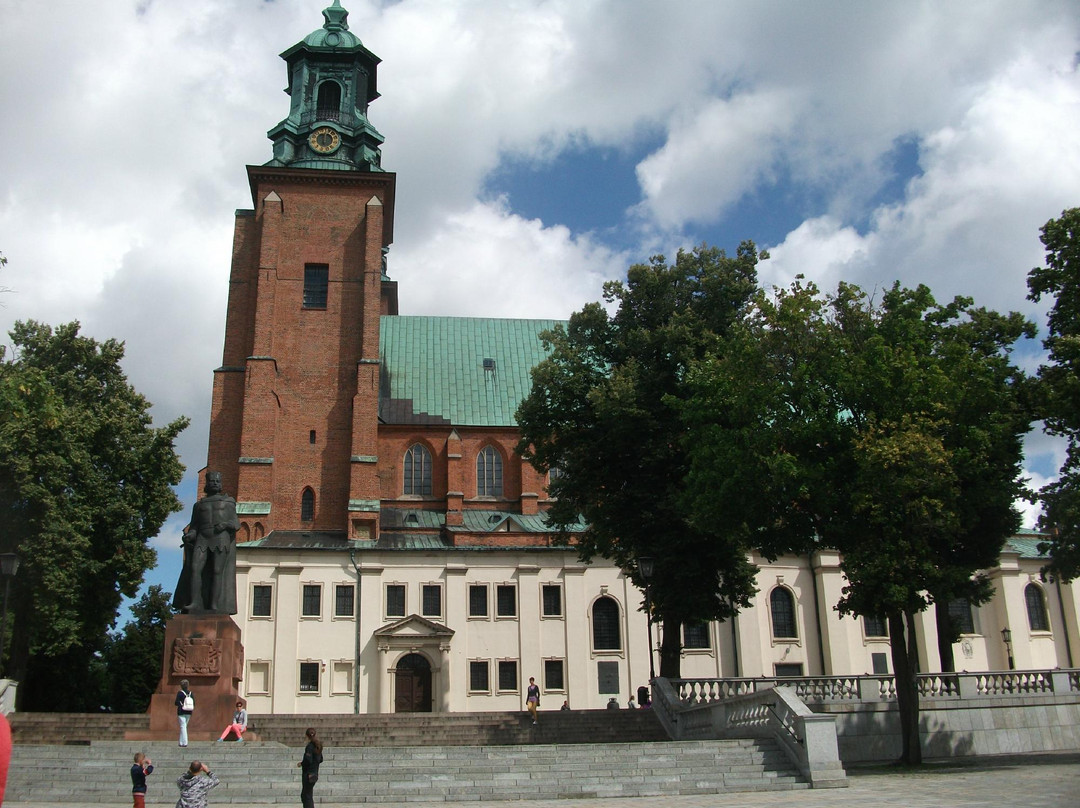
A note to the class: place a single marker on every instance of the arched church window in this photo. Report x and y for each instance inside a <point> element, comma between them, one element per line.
<point>417,471</point>
<point>1036,608</point>
<point>782,606</point>
<point>605,625</point>
<point>328,104</point>
<point>489,473</point>
<point>307,505</point>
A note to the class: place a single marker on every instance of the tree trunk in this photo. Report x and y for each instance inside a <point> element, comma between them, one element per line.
<point>671,648</point>
<point>945,637</point>
<point>905,658</point>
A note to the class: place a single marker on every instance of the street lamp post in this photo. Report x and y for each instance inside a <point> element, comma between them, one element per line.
<point>9,565</point>
<point>646,566</point>
<point>1006,635</point>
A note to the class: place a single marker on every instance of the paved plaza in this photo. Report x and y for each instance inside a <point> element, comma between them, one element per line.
<point>1042,781</point>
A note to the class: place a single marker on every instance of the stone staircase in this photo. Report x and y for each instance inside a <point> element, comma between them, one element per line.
<point>96,772</point>
<point>396,729</point>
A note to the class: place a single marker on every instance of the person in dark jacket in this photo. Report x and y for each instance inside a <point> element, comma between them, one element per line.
<point>309,768</point>
<point>139,769</point>
<point>185,706</point>
<point>194,787</point>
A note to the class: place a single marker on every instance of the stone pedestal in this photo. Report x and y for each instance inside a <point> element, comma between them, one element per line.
<point>205,650</point>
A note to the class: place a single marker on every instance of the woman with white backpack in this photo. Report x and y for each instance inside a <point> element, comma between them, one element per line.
<point>185,706</point>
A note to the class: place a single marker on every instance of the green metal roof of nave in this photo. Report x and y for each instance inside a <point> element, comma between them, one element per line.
<point>464,371</point>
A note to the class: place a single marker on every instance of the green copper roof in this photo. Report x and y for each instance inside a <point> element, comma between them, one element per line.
<point>464,371</point>
<point>1026,544</point>
<point>335,32</point>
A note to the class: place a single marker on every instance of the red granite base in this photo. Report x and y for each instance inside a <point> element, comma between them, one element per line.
<point>205,650</point>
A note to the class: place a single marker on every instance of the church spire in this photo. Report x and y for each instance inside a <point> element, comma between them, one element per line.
<point>332,79</point>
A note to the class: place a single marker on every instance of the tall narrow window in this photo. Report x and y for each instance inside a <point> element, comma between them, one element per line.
<point>312,600</point>
<point>307,505</point>
<point>506,600</point>
<point>508,674</point>
<point>960,615</point>
<point>553,674</point>
<point>478,676</point>
<point>552,594</point>
<point>605,628</point>
<point>309,677</point>
<point>489,473</point>
<point>782,604</point>
<point>478,600</point>
<point>395,600</point>
<point>262,598</point>
<point>1036,608</point>
<point>418,471</point>
<point>344,600</point>
<point>431,600</point>
<point>328,104</point>
<point>316,282</point>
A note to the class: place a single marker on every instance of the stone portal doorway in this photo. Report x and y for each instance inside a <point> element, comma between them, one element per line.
<point>412,684</point>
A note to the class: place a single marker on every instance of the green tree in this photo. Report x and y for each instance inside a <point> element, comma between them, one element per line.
<point>133,655</point>
<point>892,433</point>
<point>603,411</point>
<point>85,482</point>
<point>1059,383</point>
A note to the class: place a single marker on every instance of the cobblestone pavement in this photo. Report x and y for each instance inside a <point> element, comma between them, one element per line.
<point>1028,782</point>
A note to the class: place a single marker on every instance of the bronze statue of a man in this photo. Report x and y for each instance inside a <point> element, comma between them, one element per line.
<point>207,582</point>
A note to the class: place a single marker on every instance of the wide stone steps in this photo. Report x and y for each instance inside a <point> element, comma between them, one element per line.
<point>266,772</point>
<point>397,729</point>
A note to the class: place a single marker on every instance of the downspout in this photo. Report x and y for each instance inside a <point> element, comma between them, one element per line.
<point>356,636</point>
<point>1064,625</point>
<point>817,614</point>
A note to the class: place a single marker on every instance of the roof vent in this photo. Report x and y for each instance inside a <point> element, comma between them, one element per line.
<point>495,518</point>
<point>489,365</point>
<point>411,518</point>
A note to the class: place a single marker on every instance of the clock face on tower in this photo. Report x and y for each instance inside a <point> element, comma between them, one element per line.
<point>324,140</point>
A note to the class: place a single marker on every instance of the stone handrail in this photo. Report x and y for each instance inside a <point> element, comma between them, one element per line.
<point>8,689</point>
<point>808,739</point>
<point>876,688</point>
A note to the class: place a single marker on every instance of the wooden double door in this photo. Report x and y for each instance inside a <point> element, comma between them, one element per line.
<point>412,684</point>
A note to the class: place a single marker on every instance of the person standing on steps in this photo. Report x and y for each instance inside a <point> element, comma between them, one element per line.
<point>309,768</point>
<point>185,706</point>
<point>195,787</point>
<point>532,698</point>
<point>139,769</point>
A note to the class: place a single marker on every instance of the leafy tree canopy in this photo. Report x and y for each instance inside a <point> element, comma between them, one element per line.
<point>891,432</point>
<point>85,482</point>
<point>133,655</point>
<point>603,410</point>
<point>1060,387</point>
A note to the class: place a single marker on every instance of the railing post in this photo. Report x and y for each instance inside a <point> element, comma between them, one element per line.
<point>1059,680</point>
<point>969,685</point>
<point>869,689</point>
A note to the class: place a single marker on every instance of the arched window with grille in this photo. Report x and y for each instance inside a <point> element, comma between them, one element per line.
<point>307,505</point>
<point>417,471</point>
<point>1036,608</point>
<point>489,473</point>
<point>328,104</point>
<point>782,606</point>
<point>605,625</point>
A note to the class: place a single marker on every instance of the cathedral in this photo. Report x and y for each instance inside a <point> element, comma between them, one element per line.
<point>393,554</point>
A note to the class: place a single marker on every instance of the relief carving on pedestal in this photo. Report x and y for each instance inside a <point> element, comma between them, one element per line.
<point>196,656</point>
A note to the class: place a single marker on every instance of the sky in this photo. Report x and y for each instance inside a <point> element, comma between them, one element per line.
<point>541,147</point>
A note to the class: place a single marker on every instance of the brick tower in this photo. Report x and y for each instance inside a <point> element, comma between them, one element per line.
<point>295,407</point>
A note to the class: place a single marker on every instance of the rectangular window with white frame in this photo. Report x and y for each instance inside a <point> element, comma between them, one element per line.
<point>506,600</point>
<point>311,601</point>
<point>478,601</point>
<point>508,676</point>
<point>431,600</point>
<point>262,601</point>
<point>344,600</point>
<point>479,676</point>
<point>551,600</point>
<point>395,600</point>
<point>309,677</point>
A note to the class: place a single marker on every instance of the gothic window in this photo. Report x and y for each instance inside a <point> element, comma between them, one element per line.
<point>418,471</point>
<point>316,283</point>
<point>782,605</point>
<point>328,104</point>
<point>307,505</point>
<point>1036,608</point>
<point>605,625</point>
<point>489,473</point>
